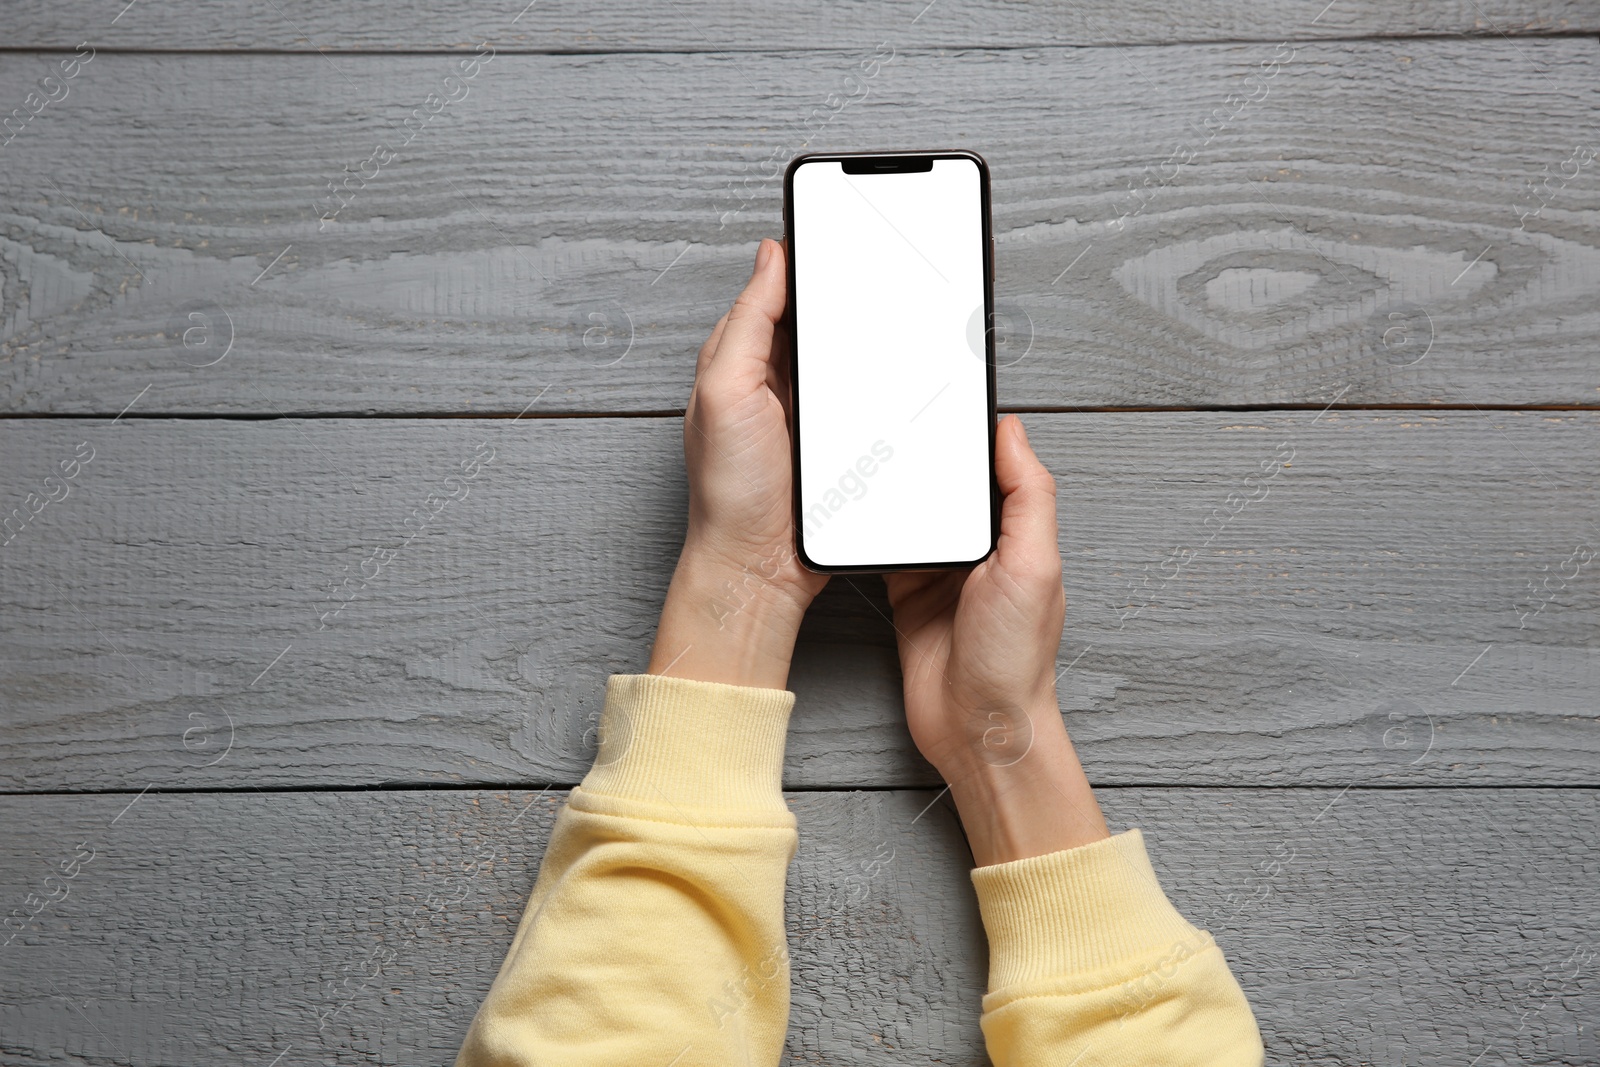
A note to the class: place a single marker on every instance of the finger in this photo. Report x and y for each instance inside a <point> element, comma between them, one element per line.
<point>779,369</point>
<point>709,349</point>
<point>903,585</point>
<point>778,365</point>
<point>746,342</point>
<point>1028,512</point>
<point>917,596</point>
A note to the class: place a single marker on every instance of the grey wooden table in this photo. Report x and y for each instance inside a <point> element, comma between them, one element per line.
<point>277,278</point>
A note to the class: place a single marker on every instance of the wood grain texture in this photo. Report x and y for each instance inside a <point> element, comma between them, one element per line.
<point>1372,927</point>
<point>1268,599</point>
<point>366,25</point>
<point>1416,222</point>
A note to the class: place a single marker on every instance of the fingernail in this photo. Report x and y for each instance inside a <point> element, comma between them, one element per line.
<point>763,253</point>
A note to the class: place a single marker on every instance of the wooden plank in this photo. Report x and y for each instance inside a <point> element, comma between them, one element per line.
<point>1376,926</point>
<point>1400,597</point>
<point>1169,233</point>
<point>365,25</point>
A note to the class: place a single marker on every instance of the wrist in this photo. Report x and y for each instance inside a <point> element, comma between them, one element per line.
<point>757,580</point>
<point>729,623</point>
<point>1031,804</point>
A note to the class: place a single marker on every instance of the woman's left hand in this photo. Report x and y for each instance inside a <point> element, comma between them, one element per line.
<point>739,591</point>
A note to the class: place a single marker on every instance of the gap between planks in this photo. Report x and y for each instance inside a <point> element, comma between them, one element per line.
<point>489,786</point>
<point>1489,35</point>
<point>1062,409</point>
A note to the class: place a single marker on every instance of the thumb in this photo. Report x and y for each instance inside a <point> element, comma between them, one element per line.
<point>1028,513</point>
<point>747,338</point>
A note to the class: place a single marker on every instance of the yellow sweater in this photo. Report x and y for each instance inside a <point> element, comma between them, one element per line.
<point>655,937</point>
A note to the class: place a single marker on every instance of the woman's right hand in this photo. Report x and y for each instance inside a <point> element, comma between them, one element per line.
<point>978,651</point>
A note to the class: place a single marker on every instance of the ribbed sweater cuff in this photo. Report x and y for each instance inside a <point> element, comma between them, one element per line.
<point>1075,912</point>
<point>693,744</point>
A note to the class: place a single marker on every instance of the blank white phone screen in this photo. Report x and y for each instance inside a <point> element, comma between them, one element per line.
<point>892,382</point>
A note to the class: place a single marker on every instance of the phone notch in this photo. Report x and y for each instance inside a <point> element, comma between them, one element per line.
<point>887,164</point>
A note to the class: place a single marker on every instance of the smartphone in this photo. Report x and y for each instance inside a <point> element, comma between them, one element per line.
<point>891,348</point>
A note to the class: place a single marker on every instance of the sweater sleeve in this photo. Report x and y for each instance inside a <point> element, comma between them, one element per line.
<point>654,933</point>
<point>1089,963</point>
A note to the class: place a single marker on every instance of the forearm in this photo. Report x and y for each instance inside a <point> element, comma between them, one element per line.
<point>729,622</point>
<point>1088,958</point>
<point>1029,805</point>
<point>1090,963</point>
<point>654,933</point>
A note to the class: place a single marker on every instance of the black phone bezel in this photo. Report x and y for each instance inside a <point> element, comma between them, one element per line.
<point>792,330</point>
